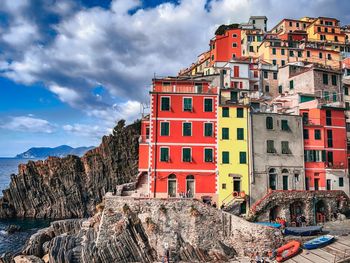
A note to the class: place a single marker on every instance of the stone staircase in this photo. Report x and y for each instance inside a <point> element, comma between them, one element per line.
<point>140,189</point>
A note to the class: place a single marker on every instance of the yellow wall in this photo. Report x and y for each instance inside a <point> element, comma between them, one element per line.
<point>233,146</point>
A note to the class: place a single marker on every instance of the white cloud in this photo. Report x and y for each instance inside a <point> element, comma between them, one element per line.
<point>65,94</point>
<point>20,34</point>
<point>28,124</point>
<point>91,131</point>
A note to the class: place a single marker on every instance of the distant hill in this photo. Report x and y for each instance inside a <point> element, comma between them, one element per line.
<point>60,151</point>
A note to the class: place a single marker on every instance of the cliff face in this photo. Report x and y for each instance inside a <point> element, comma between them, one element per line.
<point>71,187</point>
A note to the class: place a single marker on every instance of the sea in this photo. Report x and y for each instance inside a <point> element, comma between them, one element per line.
<point>13,243</point>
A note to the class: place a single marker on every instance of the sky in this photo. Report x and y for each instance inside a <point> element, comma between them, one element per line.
<point>70,69</point>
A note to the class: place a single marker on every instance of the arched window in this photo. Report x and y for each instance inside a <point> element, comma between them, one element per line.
<point>172,185</point>
<point>190,186</point>
<point>285,173</point>
<point>273,179</point>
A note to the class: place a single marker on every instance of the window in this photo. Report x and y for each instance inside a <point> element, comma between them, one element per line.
<point>341,181</point>
<point>290,23</point>
<point>291,84</point>
<point>306,134</point>
<point>234,44</point>
<point>280,90</point>
<point>317,134</point>
<point>164,129</point>
<point>282,51</point>
<point>314,156</point>
<point>285,147</point>
<point>320,55</point>
<point>330,157</point>
<point>274,62</point>
<point>284,125</point>
<point>274,51</point>
<point>346,91</point>
<point>242,157</point>
<point>187,104</point>
<point>187,129</point>
<point>225,133</point>
<point>225,112</point>
<point>208,155</point>
<point>308,53</point>
<point>329,56</point>
<point>300,54</point>
<point>334,80</point>
<point>165,104</point>
<point>240,112</point>
<point>297,24</point>
<point>267,88</point>
<point>269,123</point>
<point>225,157</point>
<point>305,117</point>
<point>186,155</point>
<point>251,49</point>
<point>234,35</point>
<point>283,62</point>
<point>208,129</point>
<point>328,117</point>
<point>208,105</point>
<point>240,134</point>
<point>347,105</point>
<point>223,186</point>
<point>270,146</point>
<point>326,95</point>
<point>265,75</point>
<point>334,96</point>
<point>330,138</point>
<point>291,53</point>
<point>275,75</point>
<point>335,39</point>
<point>164,154</point>
<point>325,78</point>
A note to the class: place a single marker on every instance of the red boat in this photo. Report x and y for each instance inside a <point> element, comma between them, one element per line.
<point>287,251</point>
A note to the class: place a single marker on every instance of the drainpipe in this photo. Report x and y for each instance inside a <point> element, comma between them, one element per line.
<point>155,149</point>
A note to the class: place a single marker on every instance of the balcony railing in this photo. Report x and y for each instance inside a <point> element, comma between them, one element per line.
<point>185,89</point>
<point>335,165</point>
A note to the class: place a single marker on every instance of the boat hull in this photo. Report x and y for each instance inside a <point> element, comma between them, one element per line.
<point>303,231</point>
<point>274,225</point>
<point>287,251</point>
<point>319,242</point>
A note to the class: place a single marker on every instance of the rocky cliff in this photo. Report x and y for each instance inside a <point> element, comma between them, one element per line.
<point>70,187</point>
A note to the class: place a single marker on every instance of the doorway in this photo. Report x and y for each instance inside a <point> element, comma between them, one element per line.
<point>329,184</point>
<point>190,186</point>
<point>236,185</point>
<point>272,179</point>
<point>316,183</point>
<point>172,185</point>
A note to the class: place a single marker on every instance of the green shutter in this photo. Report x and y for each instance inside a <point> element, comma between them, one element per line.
<point>208,129</point>
<point>208,105</point>
<point>208,155</point>
<point>187,129</point>
<point>326,95</point>
<point>187,104</point>
<point>269,123</point>
<point>317,134</point>
<point>346,91</point>
<point>291,84</point>
<point>164,128</point>
<point>225,157</point>
<point>164,154</point>
<point>334,80</point>
<point>165,104</point>
<point>225,112</point>
<point>334,96</point>
<point>225,133</point>
<point>240,113</point>
<point>323,155</point>
<point>285,126</point>
<point>325,78</point>
<point>240,134</point>
<point>186,154</point>
<point>280,89</point>
<point>242,157</point>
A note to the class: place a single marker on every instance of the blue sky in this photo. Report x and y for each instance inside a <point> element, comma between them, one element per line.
<point>69,69</point>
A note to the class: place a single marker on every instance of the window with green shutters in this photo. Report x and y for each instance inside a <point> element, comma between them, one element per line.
<point>291,84</point>
<point>346,91</point>
<point>317,134</point>
<point>208,155</point>
<point>334,80</point>
<point>208,129</point>
<point>282,51</point>
<point>291,53</point>
<point>270,144</point>
<point>326,95</point>
<point>306,134</point>
<point>240,113</point>
<point>334,96</point>
<point>187,129</point>
<point>164,129</point>
<point>208,105</point>
<point>300,54</point>
<point>225,157</point>
<point>341,181</point>
<point>225,112</point>
<point>186,155</point>
<point>285,147</point>
<point>165,104</point>
<point>347,105</point>
<point>242,157</point>
<point>269,123</point>
<point>285,126</point>
<point>164,154</point>
<point>225,133</point>
<point>187,104</point>
<point>330,138</point>
<point>280,89</point>
<point>325,78</point>
<point>274,51</point>
<point>240,134</point>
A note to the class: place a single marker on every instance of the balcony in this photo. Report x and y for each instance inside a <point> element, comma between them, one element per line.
<point>335,165</point>
<point>144,139</point>
<point>186,87</point>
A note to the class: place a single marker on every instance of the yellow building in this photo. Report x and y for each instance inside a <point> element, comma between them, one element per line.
<point>251,40</point>
<point>233,178</point>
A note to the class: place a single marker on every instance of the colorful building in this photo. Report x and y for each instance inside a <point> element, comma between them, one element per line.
<point>326,164</point>
<point>182,141</point>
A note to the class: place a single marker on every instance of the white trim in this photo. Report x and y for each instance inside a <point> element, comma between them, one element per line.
<point>190,154</point>
<point>183,104</point>
<point>183,144</point>
<point>212,104</point>
<point>183,170</point>
<point>336,127</point>
<point>160,155</point>
<point>325,148</point>
<point>183,129</point>
<point>212,129</point>
<point>212,155</point>
<point>160,130</point>
<point>184,119</point>
<point>160,106</point>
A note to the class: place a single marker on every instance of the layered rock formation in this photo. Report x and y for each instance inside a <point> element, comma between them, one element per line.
<point>142,230</point>
<point>70,187</point>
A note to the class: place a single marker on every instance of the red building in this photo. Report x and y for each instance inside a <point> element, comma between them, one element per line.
<point>178,141</point>
<point>226,44</point>
<point>325,149</point>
